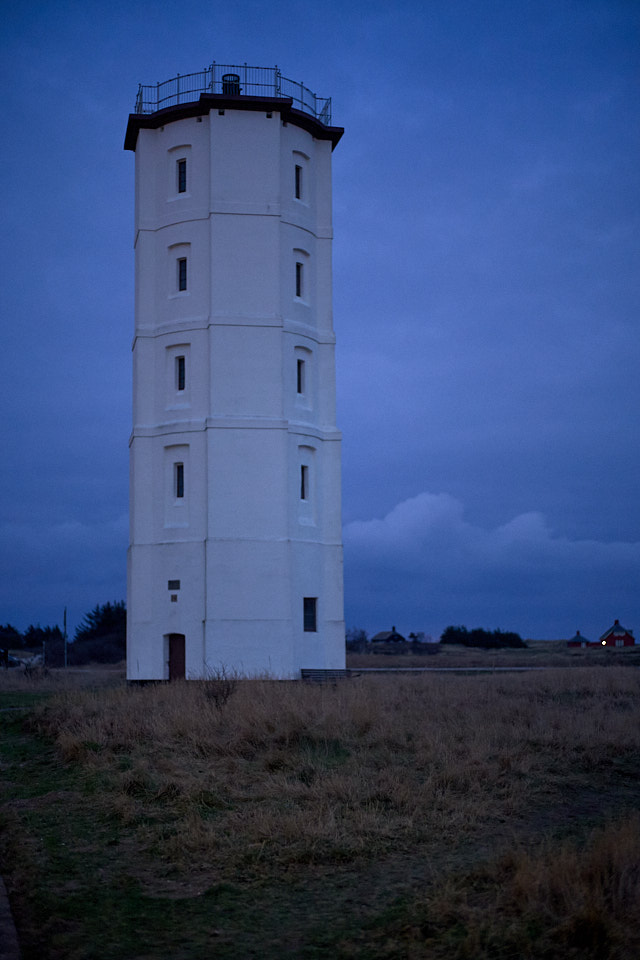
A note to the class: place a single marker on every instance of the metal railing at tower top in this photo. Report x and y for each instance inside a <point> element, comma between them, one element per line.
<point>232,80</point>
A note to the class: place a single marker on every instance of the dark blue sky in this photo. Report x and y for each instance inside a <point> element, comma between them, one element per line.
<point>486,297</point>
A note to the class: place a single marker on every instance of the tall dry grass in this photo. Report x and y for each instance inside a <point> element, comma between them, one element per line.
<point>568,900</point>
<point>285,773</point>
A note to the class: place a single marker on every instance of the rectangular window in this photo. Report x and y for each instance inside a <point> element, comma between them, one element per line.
<point>304,482</point>
<point>299,279</point>
<point>310,614</point>
<point>178,473</point>
<point>298,182</point>
<point>180,373</point>
<point>182,273</point>
<point>182,176</point>
<point>300,377</point>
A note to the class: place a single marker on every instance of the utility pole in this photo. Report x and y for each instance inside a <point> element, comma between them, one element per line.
<point>64,620</point>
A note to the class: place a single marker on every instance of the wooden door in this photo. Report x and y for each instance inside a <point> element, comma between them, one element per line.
<point>176,656</point>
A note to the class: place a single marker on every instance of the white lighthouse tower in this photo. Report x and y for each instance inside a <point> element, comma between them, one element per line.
<point>235,557</point>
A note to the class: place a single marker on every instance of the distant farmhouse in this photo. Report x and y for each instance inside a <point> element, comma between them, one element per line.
<point>580,641</point>
<point>388,636</point>
<point>615,636</point>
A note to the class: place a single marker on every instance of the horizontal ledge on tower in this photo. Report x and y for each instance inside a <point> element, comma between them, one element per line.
<point>210,101</point>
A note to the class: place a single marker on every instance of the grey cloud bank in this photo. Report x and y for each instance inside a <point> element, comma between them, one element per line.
<point>424,566</point>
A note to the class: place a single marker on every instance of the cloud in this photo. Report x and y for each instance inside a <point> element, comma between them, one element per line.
<point>424,566</point>
<point>52,566</point>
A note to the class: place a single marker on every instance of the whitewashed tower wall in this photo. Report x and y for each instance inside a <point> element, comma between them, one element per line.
<point>235,526</point>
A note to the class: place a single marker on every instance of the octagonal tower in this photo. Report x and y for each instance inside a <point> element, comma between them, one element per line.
<point>235,556</point>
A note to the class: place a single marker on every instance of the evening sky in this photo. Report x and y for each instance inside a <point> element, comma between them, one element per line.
<point>486,297</point>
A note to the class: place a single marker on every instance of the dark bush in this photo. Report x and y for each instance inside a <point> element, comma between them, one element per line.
<point>356,640</point>
<point>484,639</point>
<point>102,635</point>
<point>10,637</point>
<point>48,641</point>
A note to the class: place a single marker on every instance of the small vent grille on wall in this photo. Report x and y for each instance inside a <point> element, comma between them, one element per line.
<point>173,585</point>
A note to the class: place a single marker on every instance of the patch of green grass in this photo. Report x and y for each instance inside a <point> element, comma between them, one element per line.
<point>21,699</point>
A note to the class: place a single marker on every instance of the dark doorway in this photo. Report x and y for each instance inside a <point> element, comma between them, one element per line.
<point>176,656</point>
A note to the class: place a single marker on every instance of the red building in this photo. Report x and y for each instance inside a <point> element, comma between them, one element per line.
<point>580,641</point>
<point>615,636</point>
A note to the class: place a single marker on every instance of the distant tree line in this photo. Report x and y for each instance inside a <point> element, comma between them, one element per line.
<point>100,638</point>
<point>32,639</point>
<point>487,639</point>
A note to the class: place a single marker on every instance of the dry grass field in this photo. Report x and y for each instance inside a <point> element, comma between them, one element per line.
<point>388,816</point>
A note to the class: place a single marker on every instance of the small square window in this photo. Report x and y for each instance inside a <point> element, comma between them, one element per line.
<point>178,479</point>
<point>300,377</point>
<point>298,182</point>
<point>304,482</point>
<point>182,273</point>
<point>310,605</point>
<point>182,176</point>
<point>181,372</point>
<point>299,271</point>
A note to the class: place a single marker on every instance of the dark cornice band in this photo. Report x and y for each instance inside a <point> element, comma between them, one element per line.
<point>220,101</point>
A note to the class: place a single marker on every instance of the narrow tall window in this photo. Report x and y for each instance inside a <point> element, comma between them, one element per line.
<point>182,273</point>
<point>304,482</point>
<point>182,176</point>
<point>180,373</point>
<point>298,182</point>
<point>310,618</point>
<point>299,287</point>
<point>178,469</point>
<point>300,377</point>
